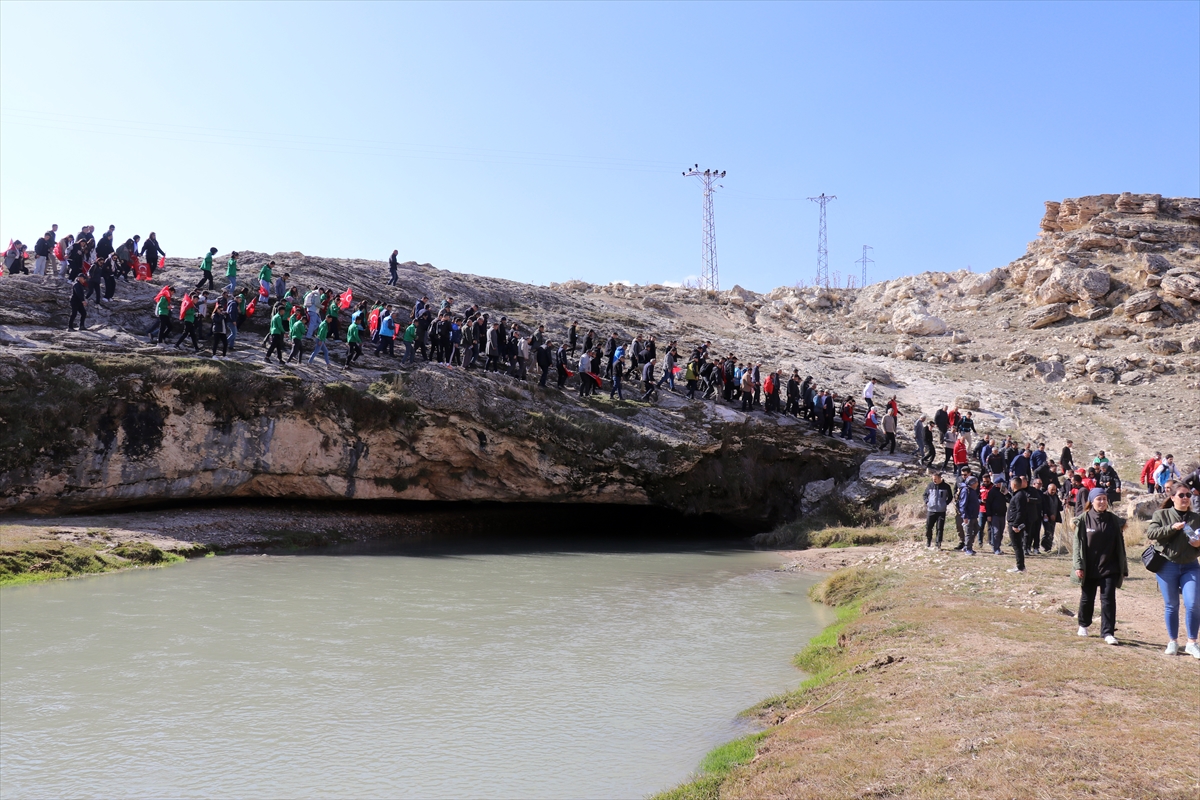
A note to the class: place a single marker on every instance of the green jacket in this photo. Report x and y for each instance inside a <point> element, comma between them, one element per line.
<point>163,307</point>
<point>231,268</point>
<point>277,324</point>
<point>410,334</point>
<point>1171,543</point>
<point>298,328</point>
<point>322,331</point>
<point>352,334</point>
<point>190,314</point>
<point>1079,558</point>
<point>206,264</point>
<point>264,274</point>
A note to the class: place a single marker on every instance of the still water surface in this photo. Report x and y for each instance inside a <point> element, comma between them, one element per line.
<point>535,674</point>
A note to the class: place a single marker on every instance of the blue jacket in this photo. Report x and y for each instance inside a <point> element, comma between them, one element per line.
<point>386,328</point>
<point>1020,466</point>
<point>1037,460</point>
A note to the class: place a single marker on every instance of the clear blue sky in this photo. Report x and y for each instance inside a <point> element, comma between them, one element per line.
<point>544,141</point>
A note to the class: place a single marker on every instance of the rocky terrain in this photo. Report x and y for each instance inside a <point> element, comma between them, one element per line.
<point>1092,334</point>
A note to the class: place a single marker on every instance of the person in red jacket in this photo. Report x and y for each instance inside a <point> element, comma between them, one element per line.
<point>960,454</point>
<point>1148,470</point>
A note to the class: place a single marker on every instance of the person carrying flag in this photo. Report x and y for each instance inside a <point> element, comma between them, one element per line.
<point>187,313</point>
<point>264,280</point>
<point>162,309</point>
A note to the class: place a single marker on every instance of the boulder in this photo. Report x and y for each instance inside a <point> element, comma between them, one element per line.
<point>1145,507</point>
<point>982,284</point>
<point>1142,301</point>
<point>655,303</point>
<point>1080,395</point>
<point>878,475</point>
<point>1192,345</point>
<point>966,402</point>
<point>825,337</point>
<point>1047,315</point>
<point>1148,316</point>
<point>1182,284</point>
<point>1133,377</point>
<point>1164,347</point>
<point>1156,264</point>
<point>914,320</point>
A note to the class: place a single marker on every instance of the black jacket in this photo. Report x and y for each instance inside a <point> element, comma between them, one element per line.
<point>78,292</point>
<point>543,357</point>
<point>151,249</point>
<point>1023,510</point>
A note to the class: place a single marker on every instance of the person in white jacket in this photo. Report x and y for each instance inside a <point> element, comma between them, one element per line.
<point>869,394</point>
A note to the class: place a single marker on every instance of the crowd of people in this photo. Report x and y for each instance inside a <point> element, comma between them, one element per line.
<point>1018,488</point>
<point>1024,490</point>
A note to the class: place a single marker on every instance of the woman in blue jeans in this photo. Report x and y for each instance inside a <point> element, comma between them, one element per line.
<point>1175,532</point>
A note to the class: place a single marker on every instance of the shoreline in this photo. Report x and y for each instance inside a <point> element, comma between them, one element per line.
<point>946,676</point>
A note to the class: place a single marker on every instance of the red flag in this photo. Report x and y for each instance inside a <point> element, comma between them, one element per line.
<point>373,321</point>
<point>143,271</point>
<point>187,303</point>
<point>162,262</point>
<point>345,299</point>
<point>262,291</point>
<point>250,307</point>
<point>166,290</point>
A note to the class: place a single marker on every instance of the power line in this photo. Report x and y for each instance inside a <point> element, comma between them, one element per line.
<point>708,277</point>
<point>193,134</point>
<point>822,245</point>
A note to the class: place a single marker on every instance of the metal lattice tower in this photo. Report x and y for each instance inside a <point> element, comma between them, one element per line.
<point>822,244</point>
<point>708,241</point>
<point>864,261</point>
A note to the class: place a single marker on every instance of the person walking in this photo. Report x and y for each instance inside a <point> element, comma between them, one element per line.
<point>353,344</point>
<point>79,292</point>
<point>1020,508</point>
<point>1051,515</point>
<point>393,267</point>
<point>937,500</point>
<point>206,266</point>
<point>890,424</point>
<point>1100,564</point>
<point>996,512</point>
<point>322,333</point>
<point>231,269</point>
<point>220,331</point>
<point>1175,533</point>
<point>968,512</point>
<point>297,330</point>
<point>869,394</point>
<point>152,252</point>
<point>275,337</point>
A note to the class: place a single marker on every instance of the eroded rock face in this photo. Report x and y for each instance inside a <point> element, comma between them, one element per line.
<point>147,433</point>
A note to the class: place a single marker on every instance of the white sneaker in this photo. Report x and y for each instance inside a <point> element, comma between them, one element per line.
<point>1192,650</point>
<point>1111,640</point>
<point>1082,631</point>
<point>1015,569</point>
<point>1172,649</point>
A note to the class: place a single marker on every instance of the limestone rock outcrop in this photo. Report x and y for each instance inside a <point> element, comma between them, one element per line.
<point>124,431</point>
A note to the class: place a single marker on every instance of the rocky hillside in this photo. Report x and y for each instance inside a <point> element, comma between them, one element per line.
<point>1092,334</point>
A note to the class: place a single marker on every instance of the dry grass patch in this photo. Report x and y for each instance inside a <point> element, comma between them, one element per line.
<point>950,678</point>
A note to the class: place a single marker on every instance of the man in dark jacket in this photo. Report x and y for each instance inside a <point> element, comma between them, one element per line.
<point>79,291</point>
<point>1066,459</point>
<point>152,250</point>
<point>1021,511</point>
<point>1051,515</point>
<point>942,419</point>
<point>938,497</point>
<point>968,512</point>
<point>1020,466</point>
<point>996,512</point>
<point>544,360</point>
<point>1033,533</point>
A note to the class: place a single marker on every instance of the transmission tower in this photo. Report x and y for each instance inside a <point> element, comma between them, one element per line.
<point>864,261</point>
<point>822,244</point>
<point>708,277</point>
